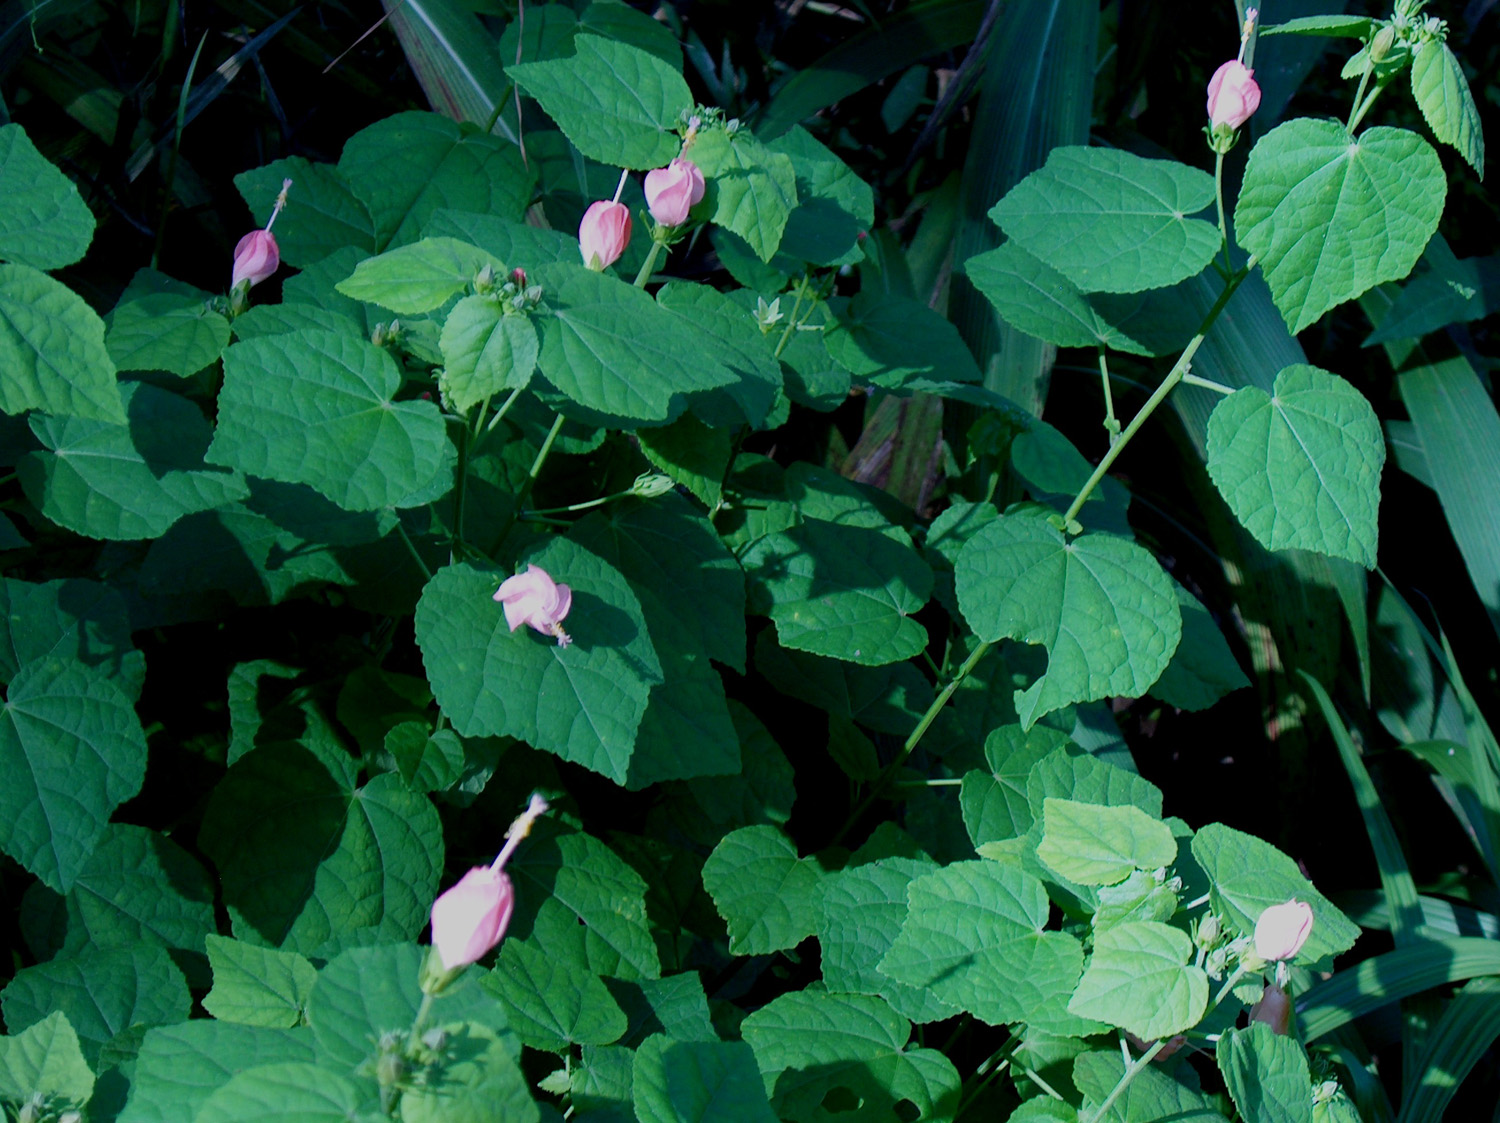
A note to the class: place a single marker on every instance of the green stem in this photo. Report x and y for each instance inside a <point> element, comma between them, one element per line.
<point>877,788</point>
<point>791,321</point>
<point>412,546</point>
<point>734,452</point>
<point>504,409</point>
<point>1354,113</point>
<point>421,1019</point>
<point>1239,973</point>
<point>1111,423</point>
<point>1365,108</point>
<point>1168,384</point>
<point>1125,1080</point>
<point>531,476</point>
<point>586,505</point>
<point>649,264</point>
<point>1191,379</point>
<point>1219,198</point>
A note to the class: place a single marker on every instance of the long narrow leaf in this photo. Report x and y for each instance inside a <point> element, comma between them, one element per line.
<point>456,60</point>
<point>1469,1025</point>
<point>1367,908</point>
<point>1038,93</point>
<point>923,29</point>
<point>1400,891</point>
<point>1388,978</point>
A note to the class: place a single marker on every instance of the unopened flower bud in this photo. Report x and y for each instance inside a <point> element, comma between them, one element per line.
<point>673,190</point>
<point>1275,1009</point>
<point>1208,931</point>
<point>1281,930</point>
<point>484,280</point>
<point>604,233</point>
<point>518,277</point>
<point>1381,45</point>
<point>1233,95</point>
<point>648,485</point>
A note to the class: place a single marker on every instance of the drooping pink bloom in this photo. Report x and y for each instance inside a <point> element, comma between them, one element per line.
<point>534,598</point>
<point>257,255</point>
<point>1233,95</point>
<point>673,190</point>
<point>1275,1009</point>
<point>469,918</point>
<point>1282,930</point>
<point>604,233</point>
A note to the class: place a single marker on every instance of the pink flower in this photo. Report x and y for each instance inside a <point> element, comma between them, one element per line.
<point>1282,930</point>
<point>1275,1009</point>
<point>534,598</point>
<point>255,258</point>
<point>671,191</point>
<point>469,918</point>
<point>1233,95</point>
<point>604,233</point>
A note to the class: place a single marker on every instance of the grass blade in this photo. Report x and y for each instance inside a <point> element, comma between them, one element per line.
<point>1469,1025</point>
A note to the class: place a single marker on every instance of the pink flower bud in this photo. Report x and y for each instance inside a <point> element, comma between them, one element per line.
<point>255,258</point>
<point>1282,930</point>
<point>1233,95</point>
<point>1275,1009</point>
<point>604,233</point>
<point>469,919</point>
<point>534,598</point>
<point>671,191</point>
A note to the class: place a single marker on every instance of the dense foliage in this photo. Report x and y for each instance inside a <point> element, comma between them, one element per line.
<point>634,415</point>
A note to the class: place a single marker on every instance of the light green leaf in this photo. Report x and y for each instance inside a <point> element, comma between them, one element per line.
<point>69,619</point>
<point>1098,845</point>
<point>407,167</point>
<point>618,104</point>
<point>692,454</point>
<point>835,207</point>
<point>1442,92</point>
<point>810,1044</point>
<point>1329,217</point>
<point>45,1057</point>
<point>612,349</point>
<point>366,451</point>
<point>1100,605</point>
<point>955,915</point>
<point>180,1066</point>
<point>45,223</point>
<point>322,214</point>
<point>257,986</point>
<point>304,856</point>
<point>722,329</point>
<point>100,992</point>
<point>130,481</point>
<point>551,1003</point>
<point>1110,221</point>
<point>1333,26</point>
<point>764,892</point>
<point>596,895</point>
<point>582,701</point>
<point>1248,876</point>
<point>72,750</point>
<point>844,591</point>
<point>994,803</point>
<point>366,991</point>
<point>890,340</point>
<point>1153,1095</point>
<point>166,331</point>
<point>1300,468</point>
<point>860,912</point>
<point>301,1092</point>
<point>52,350</point>
<point>1140,979</point>
<point>513,242</point>
<point>479,1081</point>
<point>1203,669</point>
<point>139,887</point>
<point>1267,1075</point>
<point>614,19</point>
<point>418,277</point>
<point>1139,897</point>
<point>485,352</point>
<point>698,1082</point>
<point>1036,299</point>
<point>751,189</point>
